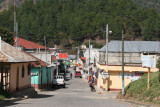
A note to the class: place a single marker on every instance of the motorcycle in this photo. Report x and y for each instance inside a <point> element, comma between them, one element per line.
<point>91,85</point>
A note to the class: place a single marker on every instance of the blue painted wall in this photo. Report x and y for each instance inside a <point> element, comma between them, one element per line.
<point>36,79</point>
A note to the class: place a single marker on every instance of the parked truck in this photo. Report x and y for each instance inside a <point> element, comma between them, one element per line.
<point>59,81</point>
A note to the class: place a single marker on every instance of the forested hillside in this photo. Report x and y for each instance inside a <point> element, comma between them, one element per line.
<point>69,22</point>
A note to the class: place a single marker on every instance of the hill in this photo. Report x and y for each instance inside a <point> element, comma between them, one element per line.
<point>70,22</point>
<point>5,4</point>
<point>137,90</point>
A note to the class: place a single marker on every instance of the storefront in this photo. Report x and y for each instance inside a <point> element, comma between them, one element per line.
<point>114,81</point>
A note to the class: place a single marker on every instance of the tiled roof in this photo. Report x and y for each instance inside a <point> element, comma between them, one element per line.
<point>133,46</point>
<point>28,44</point>
<point>9,53</point>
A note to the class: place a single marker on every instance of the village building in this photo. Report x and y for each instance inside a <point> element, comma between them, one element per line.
<point>15,69</point>
<point>41,76</point>
<point>133,69</point>
<point>36,50</point>
<point>93,54</point>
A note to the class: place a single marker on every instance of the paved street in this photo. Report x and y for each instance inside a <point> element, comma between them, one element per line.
<point>76,94</point>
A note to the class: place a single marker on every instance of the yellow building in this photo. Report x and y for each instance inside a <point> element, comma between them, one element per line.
<point>133,54</point>
<point>114,81</point>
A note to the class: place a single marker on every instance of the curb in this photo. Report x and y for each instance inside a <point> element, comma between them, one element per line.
<point>12,100</point>
<point>135,103</point>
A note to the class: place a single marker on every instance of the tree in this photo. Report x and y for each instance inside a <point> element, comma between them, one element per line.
<point>6,35</point>
<point>78,20</point>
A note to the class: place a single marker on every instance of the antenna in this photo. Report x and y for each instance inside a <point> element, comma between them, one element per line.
<point>16,35</point>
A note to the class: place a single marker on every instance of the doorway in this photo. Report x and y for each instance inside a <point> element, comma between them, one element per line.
<point>41,78</point>
<point>17,80</point>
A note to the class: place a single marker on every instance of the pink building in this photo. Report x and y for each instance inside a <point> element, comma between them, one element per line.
<point>15,68</point>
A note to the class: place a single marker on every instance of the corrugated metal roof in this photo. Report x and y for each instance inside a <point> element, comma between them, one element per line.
<point>133,46</point>
<point>9,53</point>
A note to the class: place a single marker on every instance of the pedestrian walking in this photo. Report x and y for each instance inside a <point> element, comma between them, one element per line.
<point>71,75</point>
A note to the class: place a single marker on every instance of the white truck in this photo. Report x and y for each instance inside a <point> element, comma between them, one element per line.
<point>59,81</point>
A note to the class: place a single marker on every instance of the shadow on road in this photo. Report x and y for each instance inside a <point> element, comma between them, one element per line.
<point>12,102</point>
<point>56,88</point>
<point>67,79</point>
<point>41,96</point>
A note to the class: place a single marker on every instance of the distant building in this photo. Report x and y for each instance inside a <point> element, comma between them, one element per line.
<point>94,55</point>
<point>83,47</point>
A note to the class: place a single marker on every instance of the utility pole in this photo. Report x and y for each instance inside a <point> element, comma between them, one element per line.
<point>89,58</point>
<point>15,21</point>
<point>107,47</point>
<point>122,64</point>
<point>46,58</point>
<point>78,58</point>
<point>107,56</point>
<point>149,70</point>
<point>57,63</point>
<point>16,35</point>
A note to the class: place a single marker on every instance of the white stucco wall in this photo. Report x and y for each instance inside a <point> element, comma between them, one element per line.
<point>94,53</point>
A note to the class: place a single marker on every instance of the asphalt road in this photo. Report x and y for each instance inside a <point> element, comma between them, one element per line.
<point>76,94</point>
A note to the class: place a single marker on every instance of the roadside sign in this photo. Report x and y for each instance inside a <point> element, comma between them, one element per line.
<point>105,75</point>
<point>34,74</point>
<point>62,55</point>
<point>149,61</point>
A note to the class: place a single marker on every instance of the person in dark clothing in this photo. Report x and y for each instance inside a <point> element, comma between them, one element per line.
<point>71,75</point>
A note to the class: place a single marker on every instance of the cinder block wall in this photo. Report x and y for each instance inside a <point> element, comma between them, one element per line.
<point>116,58</point>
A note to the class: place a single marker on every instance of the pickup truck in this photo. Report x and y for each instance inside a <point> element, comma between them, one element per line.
<point>59,81</point>
<point>78,74</point>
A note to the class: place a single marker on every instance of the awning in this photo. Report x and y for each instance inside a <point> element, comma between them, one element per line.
<point>83,58</point>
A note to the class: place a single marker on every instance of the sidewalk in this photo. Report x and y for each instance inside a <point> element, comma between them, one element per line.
<point>136,103</point>
<point>20,95</point>
<point>113,95</point>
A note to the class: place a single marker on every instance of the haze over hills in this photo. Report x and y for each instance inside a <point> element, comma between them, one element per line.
<point>5,4</point>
